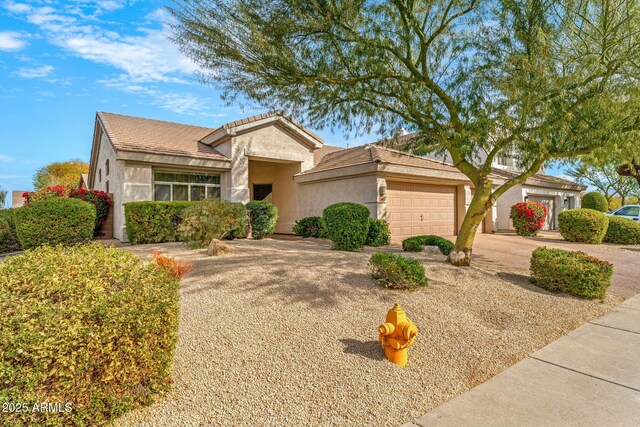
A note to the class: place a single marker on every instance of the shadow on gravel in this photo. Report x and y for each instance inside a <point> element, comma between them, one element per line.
<point>369,349</point>
<point>523,281</point>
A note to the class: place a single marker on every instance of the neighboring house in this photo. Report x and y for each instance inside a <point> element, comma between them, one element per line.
<point>84,181</point>
<point>17,201</point>
<point>556,194</point>
<point>270,156</point>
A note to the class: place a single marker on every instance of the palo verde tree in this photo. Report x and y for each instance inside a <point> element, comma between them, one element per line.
<point>605,178</point>
<point>543,79</point>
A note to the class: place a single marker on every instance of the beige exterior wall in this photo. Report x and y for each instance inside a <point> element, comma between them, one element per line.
<point>284,196</point>
<point>315,196</point>
<point>268,143</point>
<point>115,178</point>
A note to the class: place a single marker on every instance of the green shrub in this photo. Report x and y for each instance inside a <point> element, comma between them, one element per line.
<point>263,216</point>
<point>311,226</point>
<point>379,234</point>
<point>583,225</point>
<point>394,271</point>
<point>92,326</point>
<point>212,219</point>
<point>416,243</point>
<point>55,220</point>
<point>154,222</point>
<point>595,201</point>
<point>622,231</point>
<point>347,225</point>
<point>10,242</point>
<point>528,218</point>
<point>573,272</point>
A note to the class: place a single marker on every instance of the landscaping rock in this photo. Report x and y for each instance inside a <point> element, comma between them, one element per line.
<point>429,249</point>
<point>218,247</point>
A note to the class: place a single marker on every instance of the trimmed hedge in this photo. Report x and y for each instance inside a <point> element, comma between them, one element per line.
<point>347,225</point>
<point>10,242</point>
<point>395,271</point>
<point>263,216</point>
<point>573,272</point>
<point>154,222</point>
<point>55,220</point>
<point>622,231</point>
<point>212,219</point>
<point>416,243</point>
<point>88,325</point>
<point>311,226</point>
<point>379,234</point>
<point>528,218</point>
<point>583,225</point>
<point>595,201</point>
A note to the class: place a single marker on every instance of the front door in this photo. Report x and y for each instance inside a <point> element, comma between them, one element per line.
<point>547,202</point>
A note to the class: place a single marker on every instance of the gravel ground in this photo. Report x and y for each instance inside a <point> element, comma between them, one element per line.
<point>284,333</point>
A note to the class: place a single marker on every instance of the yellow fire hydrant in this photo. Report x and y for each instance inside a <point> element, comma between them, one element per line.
<point>397,335</point>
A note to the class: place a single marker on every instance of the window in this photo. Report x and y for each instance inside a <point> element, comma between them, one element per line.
<point>262,191</point>
<point>106,168</point>
<point>107,185</point>
<point>185,186</point>
<point>99,175</point>
<point>629,211</point>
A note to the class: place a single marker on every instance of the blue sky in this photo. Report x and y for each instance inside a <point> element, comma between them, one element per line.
<point>61,61</point>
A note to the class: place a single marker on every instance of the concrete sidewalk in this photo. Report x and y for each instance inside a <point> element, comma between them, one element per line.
<point>590,377</point>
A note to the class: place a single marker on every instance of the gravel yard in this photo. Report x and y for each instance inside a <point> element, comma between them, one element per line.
<point>285,333</point>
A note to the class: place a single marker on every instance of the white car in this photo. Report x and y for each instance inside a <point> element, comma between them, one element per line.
<point>627,211</point>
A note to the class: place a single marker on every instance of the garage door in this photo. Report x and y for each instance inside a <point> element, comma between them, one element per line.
<point>415,209</point>
<point>548,202</point>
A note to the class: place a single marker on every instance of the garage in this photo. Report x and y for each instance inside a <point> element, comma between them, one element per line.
<point>549,203</point>
<point>414,209</point>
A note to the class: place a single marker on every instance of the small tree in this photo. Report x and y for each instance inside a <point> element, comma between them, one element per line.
<point>60,173</point>
<point>605,178</point>
<point>544,79</point>
<point>3,197</point>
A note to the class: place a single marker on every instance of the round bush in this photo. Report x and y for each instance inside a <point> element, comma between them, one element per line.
<point>379,234</point>
<point>622,231</point>
<point>347,225</point>
<point>55,220</point>
<point>263,216</point>
<point>91,326</point>
<point>394,271</point>
<point>528,218</point>
<point>10,242</point>
<point>212,219</point>
<point>583,225</point>
<point>311,226</point>
<point>595,201</point>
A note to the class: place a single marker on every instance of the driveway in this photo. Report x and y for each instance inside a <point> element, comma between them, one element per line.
<point>514,252</point>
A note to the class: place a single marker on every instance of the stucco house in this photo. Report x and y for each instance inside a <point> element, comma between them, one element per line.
<point>271,156</point>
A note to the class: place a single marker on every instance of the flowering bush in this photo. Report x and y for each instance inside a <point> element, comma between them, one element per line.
<point>172,266</point>
<point>99,199</point>
<point>575,272</point>
<point>528,218</point>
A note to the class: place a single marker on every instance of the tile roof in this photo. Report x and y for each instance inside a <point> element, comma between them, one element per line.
<point>377,154</point>
<point>266,116</point>
<point>542,180</point>
<point>319,153</point>
<point>138,134</point>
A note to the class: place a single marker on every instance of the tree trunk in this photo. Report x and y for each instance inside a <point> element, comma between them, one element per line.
<point>480,205</point>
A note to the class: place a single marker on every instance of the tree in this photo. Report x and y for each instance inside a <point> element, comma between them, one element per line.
<point>3,197</point>
<point>630,169</point>
<point>605,178</point>
<point>60,173</point>
<point>544,79</point>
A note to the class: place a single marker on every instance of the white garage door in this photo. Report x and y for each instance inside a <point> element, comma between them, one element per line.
<point>415,209</point>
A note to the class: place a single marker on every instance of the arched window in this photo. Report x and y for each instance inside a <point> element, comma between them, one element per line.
<point>106,168</point>
<point>99,175</point>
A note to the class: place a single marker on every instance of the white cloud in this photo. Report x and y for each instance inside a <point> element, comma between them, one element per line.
<point>11,41</point>
<point>5,158</point>
<point>36,72</point>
